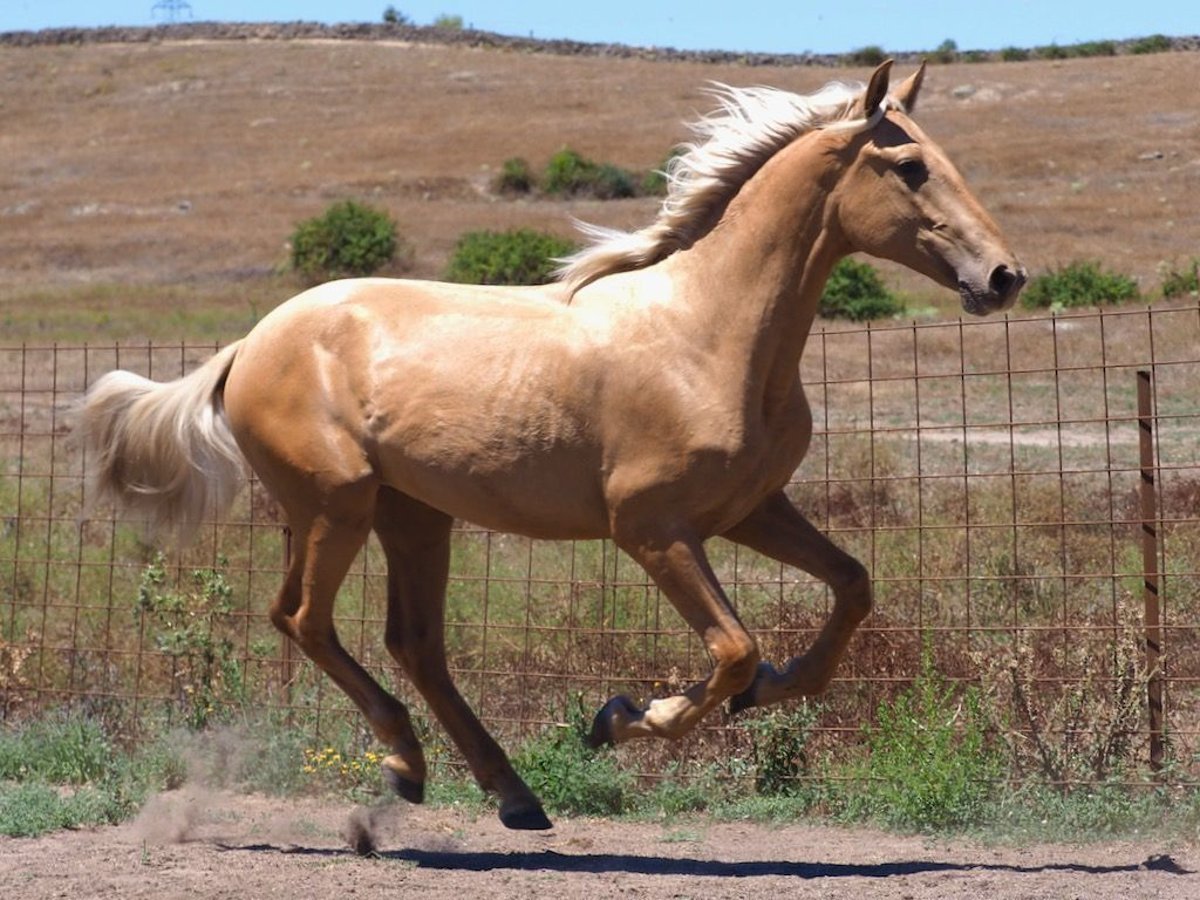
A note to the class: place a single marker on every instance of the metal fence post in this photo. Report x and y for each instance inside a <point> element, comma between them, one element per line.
<point>1150,570</point>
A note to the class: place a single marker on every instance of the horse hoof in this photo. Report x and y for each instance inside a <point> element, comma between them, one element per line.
<point>601,734</point>
<point>741,702</point>
<point>746,699</point>
<point>524,815</point>
<point>412,791</point>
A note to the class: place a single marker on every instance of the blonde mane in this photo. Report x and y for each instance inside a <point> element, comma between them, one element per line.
<point>749,126</point>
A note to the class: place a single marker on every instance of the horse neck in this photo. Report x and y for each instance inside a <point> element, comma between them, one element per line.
<point>755,280</point>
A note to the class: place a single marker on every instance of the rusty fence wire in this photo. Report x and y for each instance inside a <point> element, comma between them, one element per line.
<point>1031,518</point>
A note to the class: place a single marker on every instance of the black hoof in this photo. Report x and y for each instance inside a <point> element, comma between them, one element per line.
<point>745,700</point>
<point>601,734</point>
<point>412,791</point>
<point>524,816</point>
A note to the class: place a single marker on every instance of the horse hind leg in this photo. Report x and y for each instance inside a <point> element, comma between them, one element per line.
<point>324,548</point>
<point>416,541</point>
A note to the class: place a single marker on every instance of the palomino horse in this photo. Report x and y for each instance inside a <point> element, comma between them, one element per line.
<point>651,396</point>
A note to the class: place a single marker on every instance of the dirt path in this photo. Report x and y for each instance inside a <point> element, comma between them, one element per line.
<point>218,846</point>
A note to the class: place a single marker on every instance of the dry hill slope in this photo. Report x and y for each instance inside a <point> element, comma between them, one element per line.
<point>162,162</point>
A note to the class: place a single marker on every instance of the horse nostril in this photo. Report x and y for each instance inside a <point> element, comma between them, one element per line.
<point>1003,280</point>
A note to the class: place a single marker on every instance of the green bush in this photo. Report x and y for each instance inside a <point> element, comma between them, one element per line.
<point>871,55</point>
<point>515,177</point>
<point>1094,48</point>
<point>1051,51</point>
<point>946,52</point>
<point>349,239</point>
<point>1181,282</point>
<point>448,22</point>
<point>779,743</point>
<point>568,776</point>
<point>1014,54</point>
<point>654,183</point>
<point>1155,43</point>
<point>523,256</point>
<point>930,767</point>
<point>569,174</point>
<point>1082,283</point>
<point>856,292</point>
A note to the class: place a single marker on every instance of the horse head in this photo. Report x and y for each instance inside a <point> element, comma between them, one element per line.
<point>900,198</point>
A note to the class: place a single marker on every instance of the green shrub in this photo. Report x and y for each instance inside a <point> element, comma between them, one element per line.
<point>523,256</point>
<point>1094,48</point>
<point>192,625</point>
<point>946,52</point>
<point>929,767</point>
<point>654,183</point>
<point>1051,51</point>
<point>1181,282</point>
<point>349,239</point>
<point>448,22</point>
<point>515,177</point>
<point>393,16</point>
<point>1082,283</point>
<point>871,55</point>
<point>569,174</point>
<point>568,776</point>
<point>856,292</point>
<point>1155,43</point>
<point>1014,54</point>
<point>779,742</point>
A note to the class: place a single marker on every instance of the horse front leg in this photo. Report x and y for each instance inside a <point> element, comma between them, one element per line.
<point>776,529</point>
<point>679,567</point>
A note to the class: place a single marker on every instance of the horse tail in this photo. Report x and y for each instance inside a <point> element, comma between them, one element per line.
<point>163,451</point>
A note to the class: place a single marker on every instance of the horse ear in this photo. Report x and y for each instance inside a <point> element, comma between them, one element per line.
<point>907,92</point>
<point>877,88</point>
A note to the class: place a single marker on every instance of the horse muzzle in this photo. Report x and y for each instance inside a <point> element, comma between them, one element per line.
<point>999,292</point>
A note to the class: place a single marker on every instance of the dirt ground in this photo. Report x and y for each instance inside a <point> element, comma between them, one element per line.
<point>217,845</point>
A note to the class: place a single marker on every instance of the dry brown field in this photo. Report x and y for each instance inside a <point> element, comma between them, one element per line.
<point>145,178</point>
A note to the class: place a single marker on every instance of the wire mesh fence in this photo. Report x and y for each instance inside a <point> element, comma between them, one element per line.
<point>1028,525</point>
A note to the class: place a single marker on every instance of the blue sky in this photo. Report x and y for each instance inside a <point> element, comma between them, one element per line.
<point>768,25</point>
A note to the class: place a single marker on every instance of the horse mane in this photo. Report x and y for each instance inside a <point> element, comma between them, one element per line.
<point>749,126</point>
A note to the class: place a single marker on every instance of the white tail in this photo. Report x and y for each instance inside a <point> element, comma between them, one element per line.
<point>163,451</point>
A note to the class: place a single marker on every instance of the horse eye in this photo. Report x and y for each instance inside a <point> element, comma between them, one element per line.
<point>913,171</point>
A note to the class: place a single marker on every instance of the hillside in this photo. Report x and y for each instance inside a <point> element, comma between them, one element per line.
<point>164,162</point>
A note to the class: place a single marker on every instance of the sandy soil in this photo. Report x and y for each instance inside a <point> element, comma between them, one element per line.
<point>216,845</point>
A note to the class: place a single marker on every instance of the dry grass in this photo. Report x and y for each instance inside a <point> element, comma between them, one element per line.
<point>189,163</point>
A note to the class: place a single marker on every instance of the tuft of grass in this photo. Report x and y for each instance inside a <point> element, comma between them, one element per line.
<point>65,772</point>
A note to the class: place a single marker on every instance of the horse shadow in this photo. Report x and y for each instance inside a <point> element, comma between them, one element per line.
<point>629,864</point>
